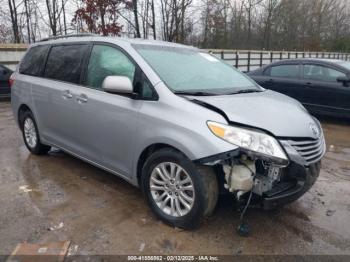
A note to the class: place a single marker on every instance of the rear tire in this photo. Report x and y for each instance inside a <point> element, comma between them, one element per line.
<point>31,136</point>
<point>190,192</point>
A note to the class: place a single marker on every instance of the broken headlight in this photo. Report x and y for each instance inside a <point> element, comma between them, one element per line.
<point>250,140</point>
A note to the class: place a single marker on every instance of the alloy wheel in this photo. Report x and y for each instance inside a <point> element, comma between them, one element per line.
<point>172,189</point>
<point>30,132</point>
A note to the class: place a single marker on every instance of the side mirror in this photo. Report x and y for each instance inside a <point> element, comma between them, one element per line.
<point>117,85</point>
<point>344,79</point>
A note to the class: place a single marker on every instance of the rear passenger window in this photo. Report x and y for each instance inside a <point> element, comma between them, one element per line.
<point>321,73</point>
<point>33,62</point>
<point>286,71</point>
<point>65,62</point>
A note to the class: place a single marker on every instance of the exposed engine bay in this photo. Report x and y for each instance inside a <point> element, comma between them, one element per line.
<point>244,175</point>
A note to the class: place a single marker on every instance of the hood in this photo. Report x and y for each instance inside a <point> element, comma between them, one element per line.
<point>268,110</point>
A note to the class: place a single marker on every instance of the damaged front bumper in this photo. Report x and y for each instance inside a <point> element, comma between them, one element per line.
<point>294,179</point>
<point>297,180</point>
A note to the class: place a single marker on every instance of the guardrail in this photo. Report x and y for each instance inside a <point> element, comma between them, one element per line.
<point>11,54</point>
<point>247,60</point>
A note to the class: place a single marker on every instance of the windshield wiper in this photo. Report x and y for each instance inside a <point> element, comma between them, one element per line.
<point>195,93</point>
<point>245,91</point>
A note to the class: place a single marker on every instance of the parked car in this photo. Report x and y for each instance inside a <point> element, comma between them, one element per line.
<point>5,74</point>
<point>169,118</point>
<point>321,85</point>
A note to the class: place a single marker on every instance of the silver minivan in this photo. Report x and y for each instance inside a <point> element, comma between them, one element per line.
<point>175,121</point>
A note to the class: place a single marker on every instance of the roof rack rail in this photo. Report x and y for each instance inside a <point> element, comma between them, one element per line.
<point>66,36</point>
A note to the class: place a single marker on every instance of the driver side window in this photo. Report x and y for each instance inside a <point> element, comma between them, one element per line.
<point>107,61</point>
<point>284,71</point>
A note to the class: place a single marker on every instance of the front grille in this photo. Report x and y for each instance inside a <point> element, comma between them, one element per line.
<point>311,150</point>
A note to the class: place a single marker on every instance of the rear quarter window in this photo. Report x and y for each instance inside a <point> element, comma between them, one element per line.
<point>33,62</point>
<point>65,62</point>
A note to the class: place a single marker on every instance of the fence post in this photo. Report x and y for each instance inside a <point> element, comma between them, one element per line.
<point>338,55</point>
<point>329,55</point>
<point>303,54</point>
<point>322,54</point>
<point>296,54</point>
<point>237,58</point>
<point>281,56</point>
<point>261,58</point>
<point>222,55</point>
<point>248,66</point>
<point>288,55</point>
<point>316,54</point>
<point>309,54</point>
<point>271,56</point>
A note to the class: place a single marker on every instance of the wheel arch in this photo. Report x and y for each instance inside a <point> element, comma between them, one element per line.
<point>149,150</point>
<point>21,109</point>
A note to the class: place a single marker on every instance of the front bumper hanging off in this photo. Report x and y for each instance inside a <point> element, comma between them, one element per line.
<point>295,181</point>
<point>299,179</point>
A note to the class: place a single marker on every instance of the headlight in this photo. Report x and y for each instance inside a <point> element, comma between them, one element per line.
<point>254,141</point>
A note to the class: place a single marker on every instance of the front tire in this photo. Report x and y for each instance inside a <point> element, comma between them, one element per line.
<point>179,192</point>
<point>31,135</point>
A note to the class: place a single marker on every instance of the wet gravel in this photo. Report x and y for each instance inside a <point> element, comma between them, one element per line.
<point>58,197</point>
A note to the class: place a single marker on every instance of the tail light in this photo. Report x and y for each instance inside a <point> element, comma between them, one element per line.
<point>12,79</point>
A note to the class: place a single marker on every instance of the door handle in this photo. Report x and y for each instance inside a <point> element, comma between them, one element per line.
<point>67,94</point>
<point>82,98</point>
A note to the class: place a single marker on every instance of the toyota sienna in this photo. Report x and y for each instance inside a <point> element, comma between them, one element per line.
<point>171,119</point>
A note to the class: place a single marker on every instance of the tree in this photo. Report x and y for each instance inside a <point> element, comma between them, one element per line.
<point>14,20</point>
<point>153,20</point>
<point>269,7</point>
<point>250,5</point>
<point>137,25</point>
<point>100,16</point>
<point>173,13</point>
<point>147,14</point>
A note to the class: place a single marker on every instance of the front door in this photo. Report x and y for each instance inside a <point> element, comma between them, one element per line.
<point>109,122</point>
<point>285,79</point>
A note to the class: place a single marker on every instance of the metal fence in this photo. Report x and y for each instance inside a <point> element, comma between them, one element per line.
<point>246,60</point>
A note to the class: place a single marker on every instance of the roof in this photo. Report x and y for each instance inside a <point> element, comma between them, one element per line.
<point>322,60</point>
<point>111,39</point>
<point>142,41</point>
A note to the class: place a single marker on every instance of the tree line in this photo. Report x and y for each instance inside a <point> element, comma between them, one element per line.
<point>302,25</point>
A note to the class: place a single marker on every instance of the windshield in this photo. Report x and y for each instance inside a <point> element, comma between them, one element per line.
<point>345,64</point>
<point>187,70</point>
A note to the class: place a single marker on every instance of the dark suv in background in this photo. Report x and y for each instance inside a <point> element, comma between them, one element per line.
<point>321,85</point>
